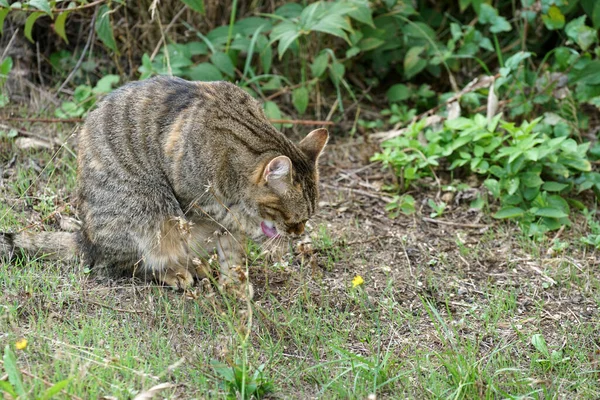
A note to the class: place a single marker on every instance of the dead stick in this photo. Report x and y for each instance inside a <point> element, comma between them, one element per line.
<point>113,308</point>
<point>358,191</point>
<point>300,122</point>
<point>459,224</point>
<point>369,240</point>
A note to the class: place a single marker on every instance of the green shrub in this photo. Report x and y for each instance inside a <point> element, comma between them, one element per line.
<point>524,168</point>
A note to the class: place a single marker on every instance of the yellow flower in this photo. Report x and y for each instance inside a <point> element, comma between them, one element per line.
<point>358,280</point>
<point>21,344</point>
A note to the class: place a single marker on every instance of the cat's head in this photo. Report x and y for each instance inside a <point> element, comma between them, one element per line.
<point>288,194</point>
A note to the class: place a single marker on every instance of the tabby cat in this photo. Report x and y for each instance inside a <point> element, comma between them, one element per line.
<point>170,171</point>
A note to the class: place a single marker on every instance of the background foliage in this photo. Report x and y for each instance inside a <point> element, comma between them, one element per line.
<point>369,66</point>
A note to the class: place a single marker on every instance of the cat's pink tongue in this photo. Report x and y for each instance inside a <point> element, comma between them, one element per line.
<point>269,229</point>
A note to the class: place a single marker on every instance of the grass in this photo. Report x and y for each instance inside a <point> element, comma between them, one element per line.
<point>441,314</point>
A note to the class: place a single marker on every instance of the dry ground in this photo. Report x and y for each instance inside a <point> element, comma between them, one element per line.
<point>448,307</point>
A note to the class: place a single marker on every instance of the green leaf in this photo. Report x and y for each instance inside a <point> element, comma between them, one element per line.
<point>398,92</point>
<point>516,59</point>
<point>223,63</point>
<point>272,112</point>
<point>539,343</point>
<point>370,43</point>
<point>596,16</point>
<point>196,5</point>
<point>550,212</point>
<point>513,185</point>
<point>3,14</point>
<point>575,162</point>
<point>300,99</point>
<point>489,15</point>
<point>69,109</point>
<point>204,72</point>
<point>554,186</point>
<point>6,387</point>
<point>336,72</point>
<point>55,389</point>
<point>29,24</point>
<point>509,212</point>
<point>413,63</point>
<point>362,12</point>
<point>589,74</point>
<point>105,84</point>
<point>581,34</point>
<point>12,370</point>
<point>493,186</point>
<point>319,64</point>
<point>463,4</point>
<point>286,33</point>
<point>335,25</point>
<point>531,179</point>
<point>5,68</point>
<point>42,5</point>
<point>4,100</point>
<point>104,28</point>
<point>554,19</point>
<point>352,51</point>
<point>59,25</point>
<point>146,68</point>
<point>4,3</point>
<point>289,10</point>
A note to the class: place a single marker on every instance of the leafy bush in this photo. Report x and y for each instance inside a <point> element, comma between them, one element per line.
<point>526,169</point>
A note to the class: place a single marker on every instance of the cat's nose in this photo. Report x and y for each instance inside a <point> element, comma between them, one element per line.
<point>297,229</point>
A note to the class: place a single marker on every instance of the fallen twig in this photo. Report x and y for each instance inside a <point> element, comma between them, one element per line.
<point>10,42</point>
<point>358,191</point>
<point>369,240</point>
<point>33,135</point>
<point>300,122</point>
<point>457,224</point>
<point>113,308</point>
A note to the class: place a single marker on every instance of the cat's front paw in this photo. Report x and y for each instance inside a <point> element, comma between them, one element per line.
<point>177,278</point>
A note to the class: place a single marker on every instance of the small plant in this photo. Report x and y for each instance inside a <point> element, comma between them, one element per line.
<point>404,204</point>
<point>593,238</point>
<point>325,245</point>
<point>10,134</point>
<point>238,383</point>
<point>85,97</point>
<point>438,209</point>
<point>551,359</point>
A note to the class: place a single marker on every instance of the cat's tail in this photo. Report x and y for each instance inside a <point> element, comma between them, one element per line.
<point>52,245</point>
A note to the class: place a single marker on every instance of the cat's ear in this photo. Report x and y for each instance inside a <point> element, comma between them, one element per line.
<point>279,169</point>
<point>314,143</point>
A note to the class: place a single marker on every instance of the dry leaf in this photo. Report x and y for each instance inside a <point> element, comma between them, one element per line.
<point>31,143</point>
<point>492,104</point>
<point>153,391</point>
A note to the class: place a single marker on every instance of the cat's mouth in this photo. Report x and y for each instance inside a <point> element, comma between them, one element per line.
<point>269,229</point>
